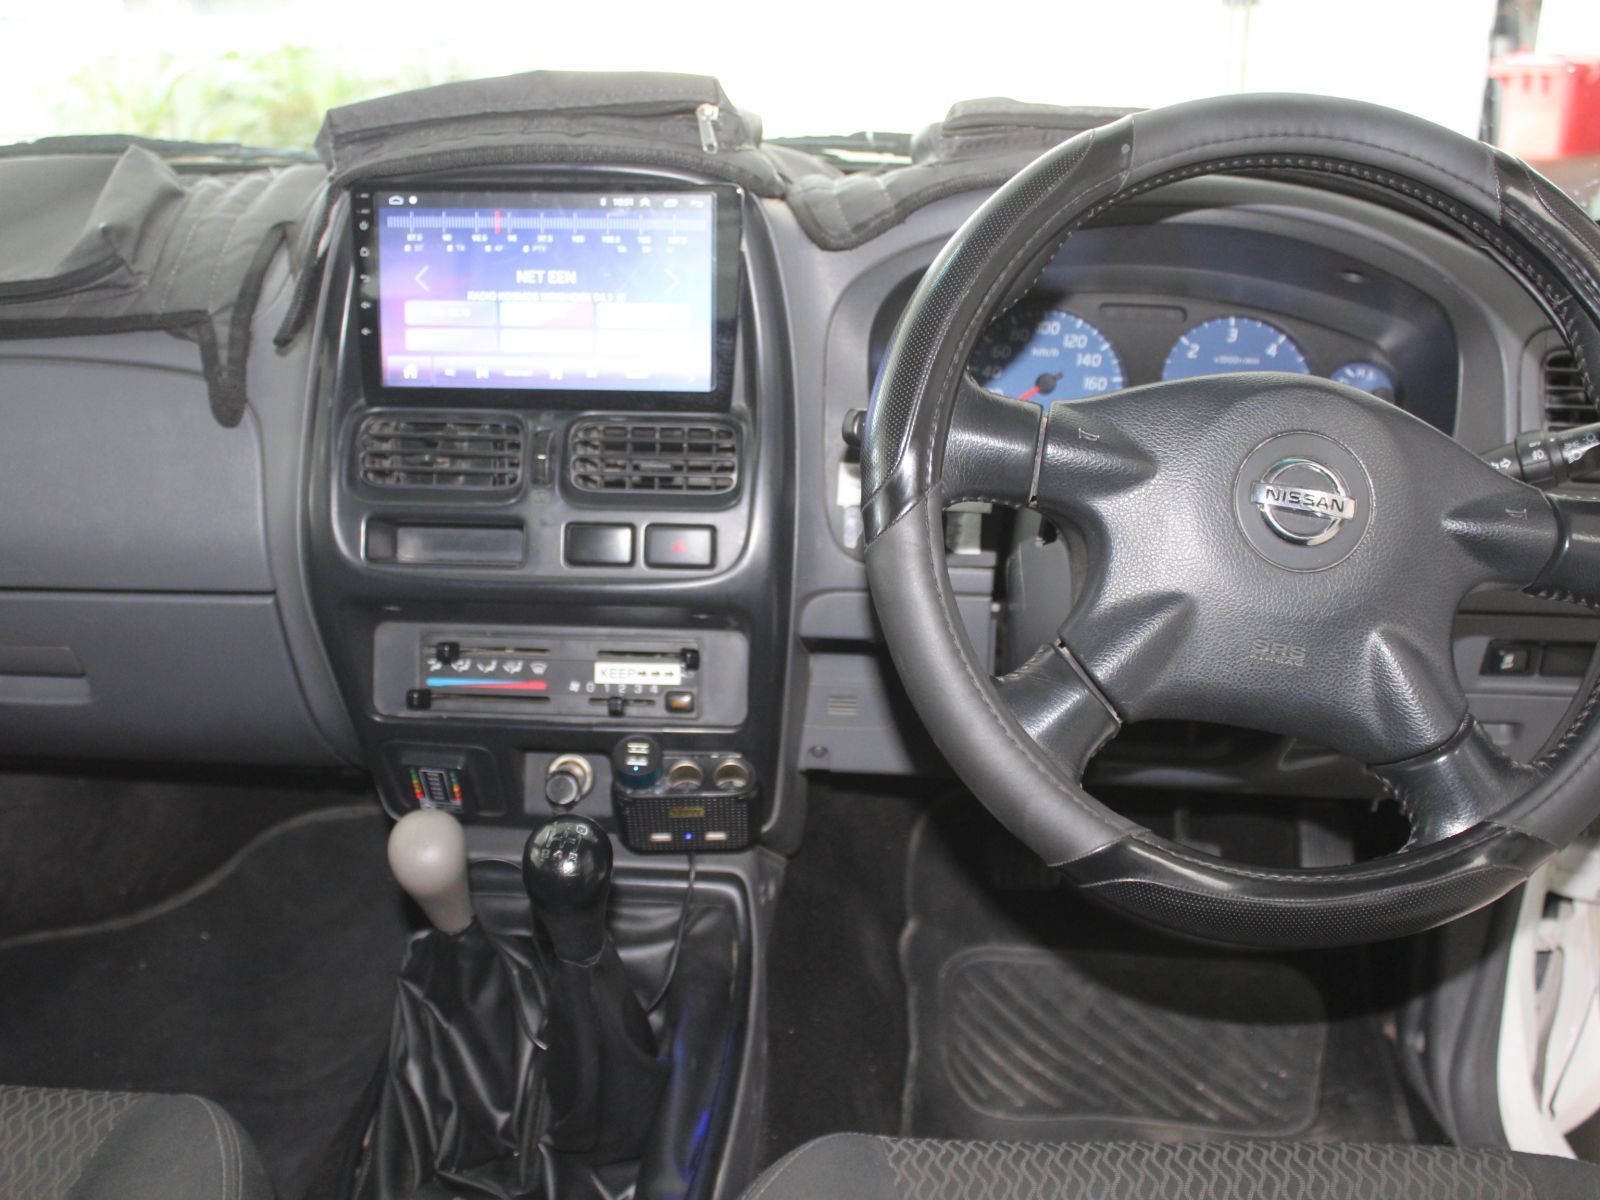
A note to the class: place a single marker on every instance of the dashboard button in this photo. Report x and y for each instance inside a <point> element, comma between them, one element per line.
<point>1565,660</point>
<point>1509,658</point>
<point>600,545</point>
<point>679,546</point>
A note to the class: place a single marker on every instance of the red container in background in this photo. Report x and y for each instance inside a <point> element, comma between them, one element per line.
<point>1549,105</point>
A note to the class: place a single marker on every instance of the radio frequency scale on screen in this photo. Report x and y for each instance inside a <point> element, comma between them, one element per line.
<point>544,291</point>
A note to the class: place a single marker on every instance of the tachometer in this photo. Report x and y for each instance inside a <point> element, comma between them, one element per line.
<point>1231,344</point>
<point>1367,376</point>
<point>1044,356</point>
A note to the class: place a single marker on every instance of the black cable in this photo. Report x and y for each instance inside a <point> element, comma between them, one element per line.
<point>677,942</point>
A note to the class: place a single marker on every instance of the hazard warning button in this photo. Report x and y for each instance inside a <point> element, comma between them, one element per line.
<point>680,546</point>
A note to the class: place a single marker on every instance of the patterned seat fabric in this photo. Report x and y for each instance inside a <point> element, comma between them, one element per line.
<point>75,1145</point>
<point>864,1167</point>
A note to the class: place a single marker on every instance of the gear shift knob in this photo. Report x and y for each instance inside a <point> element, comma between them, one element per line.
<point>428,855</point>
<point>566,868</point>
<point>601,1068</point>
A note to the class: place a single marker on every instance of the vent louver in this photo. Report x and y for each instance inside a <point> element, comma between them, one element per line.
<point>1565,403</point>
<point>699,457</point>
<point>441,450</point>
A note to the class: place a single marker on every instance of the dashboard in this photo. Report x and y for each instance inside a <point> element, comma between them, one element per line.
<point>548,504</point>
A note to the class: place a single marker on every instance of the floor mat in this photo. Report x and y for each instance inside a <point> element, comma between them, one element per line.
<point>836,1010</point>
<point>268,987</point>
<point>1029,1042</point>
<point>95,842</point>
<point>1036,1015</point>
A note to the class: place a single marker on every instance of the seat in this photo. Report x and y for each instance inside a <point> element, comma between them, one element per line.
<point>70,1145</point>
<point>866,1167</point>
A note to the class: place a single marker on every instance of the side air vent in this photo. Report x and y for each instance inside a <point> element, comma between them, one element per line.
<point>440,450</point>
<point>1565,403</point>
<point>699,457</point>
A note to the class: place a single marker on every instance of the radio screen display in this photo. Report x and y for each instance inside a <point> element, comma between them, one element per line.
<point>557,291</point>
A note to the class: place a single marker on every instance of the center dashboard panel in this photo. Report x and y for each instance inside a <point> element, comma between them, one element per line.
<point>550,446</point>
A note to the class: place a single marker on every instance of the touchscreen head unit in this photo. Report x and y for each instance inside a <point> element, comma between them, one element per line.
<point>550,291</point>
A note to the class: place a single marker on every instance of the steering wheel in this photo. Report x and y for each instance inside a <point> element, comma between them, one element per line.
<point>1279,552</point>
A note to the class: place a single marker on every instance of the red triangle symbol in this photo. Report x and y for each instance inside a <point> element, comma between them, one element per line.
<point>680,547</point>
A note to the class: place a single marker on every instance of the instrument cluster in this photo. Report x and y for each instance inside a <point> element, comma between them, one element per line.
<point>1044,350</point>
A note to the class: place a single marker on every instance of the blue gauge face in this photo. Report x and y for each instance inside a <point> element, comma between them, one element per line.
<point>1367,376</point>
<point>1045,355</point>
<point>1231,344</point>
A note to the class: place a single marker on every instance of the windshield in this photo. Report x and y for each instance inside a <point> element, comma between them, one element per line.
<point>261,72</point>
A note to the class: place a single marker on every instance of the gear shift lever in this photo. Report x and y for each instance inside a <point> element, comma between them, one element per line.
<point>428,855</point>
<point>567,872</point>
<point>604,1075</point>
<point>462,1092</point>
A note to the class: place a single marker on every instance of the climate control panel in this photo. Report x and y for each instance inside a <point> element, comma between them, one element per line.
<point>562,675</point>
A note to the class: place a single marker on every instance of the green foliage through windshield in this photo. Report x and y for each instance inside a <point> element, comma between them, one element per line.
<point>268,98</point>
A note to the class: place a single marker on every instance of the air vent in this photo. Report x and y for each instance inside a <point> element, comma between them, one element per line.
<point>441,450</point>
<point>701,457</point>
<point>1565,402</point>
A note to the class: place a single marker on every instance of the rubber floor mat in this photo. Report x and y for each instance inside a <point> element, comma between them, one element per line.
<point>1027,1038</point>
<point>1035,1014</point>
<point>268,987</point>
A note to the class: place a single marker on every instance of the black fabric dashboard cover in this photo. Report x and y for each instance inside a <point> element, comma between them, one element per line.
<point>103,235</point>
<point>554,118</point>
<point>979,145</point>
<point>675,122</point>
<point>95,243</point>
<point>642,118</point>
<point>660,119</point>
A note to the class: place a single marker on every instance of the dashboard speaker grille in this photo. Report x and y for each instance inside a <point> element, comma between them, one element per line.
<point>1565,402</point>
<point>699,457</point>
<point>441,450</point>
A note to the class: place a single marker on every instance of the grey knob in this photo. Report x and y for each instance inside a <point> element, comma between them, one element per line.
<point>428,855</point>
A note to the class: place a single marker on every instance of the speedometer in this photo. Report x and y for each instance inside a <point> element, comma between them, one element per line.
<point>1045,355</point>
<point>1231,344</point>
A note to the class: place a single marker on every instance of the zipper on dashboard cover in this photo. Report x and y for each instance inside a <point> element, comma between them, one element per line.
<point>708,115</point>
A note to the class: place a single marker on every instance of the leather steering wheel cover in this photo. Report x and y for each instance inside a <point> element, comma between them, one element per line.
<point>1388,156</point>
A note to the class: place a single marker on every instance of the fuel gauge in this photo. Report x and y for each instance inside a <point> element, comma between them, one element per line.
<point>1369,377</point>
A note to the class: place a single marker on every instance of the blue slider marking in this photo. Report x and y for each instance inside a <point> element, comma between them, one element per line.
<point>504,685</point>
